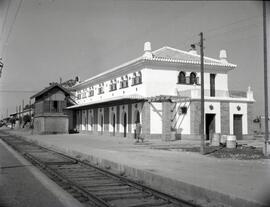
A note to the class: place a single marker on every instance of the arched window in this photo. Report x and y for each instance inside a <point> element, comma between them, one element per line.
<point>113,123</point>
<point>137,117</point>
<point>192,78</point>
<point>139,77</point>
<point>182,77</point>
<point>136,78</point>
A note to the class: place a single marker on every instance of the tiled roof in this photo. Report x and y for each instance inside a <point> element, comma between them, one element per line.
<point>175,55</point>
<point>169,55</point>
<point>49,88</point>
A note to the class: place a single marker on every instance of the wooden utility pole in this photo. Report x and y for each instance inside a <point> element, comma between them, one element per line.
<point>202,148</point>
<point>265,47</point>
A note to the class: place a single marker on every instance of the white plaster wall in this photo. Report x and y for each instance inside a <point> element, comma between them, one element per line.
<point>156,81</point>
<point>130,90</point>
<point>160,82</point>
<point>243,111</point>
<point>182,121</point>
<point>156,118</point>
<point>221,81</point>
<point>215,110</point>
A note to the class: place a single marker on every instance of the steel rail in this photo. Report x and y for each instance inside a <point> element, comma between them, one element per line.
<point>49,168</point>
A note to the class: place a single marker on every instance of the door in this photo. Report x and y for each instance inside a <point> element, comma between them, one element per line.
<point>210,125</point>
<point>125,124</point>
<point>101,124</point>
<point>113,124</point>
<point>237,126</point>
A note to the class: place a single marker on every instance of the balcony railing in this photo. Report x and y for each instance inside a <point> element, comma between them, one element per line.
<point>113,87</point>
<point>136,80</point>
<point>100,90</point>
<point>196,93</point>
<point>124,84</point>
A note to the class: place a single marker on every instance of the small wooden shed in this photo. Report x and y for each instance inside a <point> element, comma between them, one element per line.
<point>49,115</point>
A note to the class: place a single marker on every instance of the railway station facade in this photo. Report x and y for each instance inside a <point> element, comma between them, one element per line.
<point>161,90</point>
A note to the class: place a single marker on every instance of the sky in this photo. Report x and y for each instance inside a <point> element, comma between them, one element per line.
<point>48,39</point>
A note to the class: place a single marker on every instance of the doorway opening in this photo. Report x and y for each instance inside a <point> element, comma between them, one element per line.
<point>101,124</point>
<point>113,123</point>
<point>237,126</point>
<point>125,123</point>
<point>210,125</point>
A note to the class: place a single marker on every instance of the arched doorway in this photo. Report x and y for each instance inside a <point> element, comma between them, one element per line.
<point>192,78</point>
<point>137,117</point>
<point>125,123</point>
<point>113,123</point>
<point>101,124</point>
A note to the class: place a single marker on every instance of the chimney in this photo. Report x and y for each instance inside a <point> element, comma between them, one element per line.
<point>193,50</point>
<point>250,93</point>
<point>223,56</point>
<point>147,50</point>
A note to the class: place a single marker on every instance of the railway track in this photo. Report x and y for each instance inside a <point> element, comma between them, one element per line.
<point>89,184</point>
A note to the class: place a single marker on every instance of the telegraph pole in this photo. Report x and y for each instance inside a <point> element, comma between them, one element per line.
<point>265,47</point>
<point>202,148</point>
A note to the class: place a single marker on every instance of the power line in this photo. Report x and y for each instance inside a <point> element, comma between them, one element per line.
<point>5,19</point>
<point>12,25</point>
<point>209,31</point>
<point>17,91</point>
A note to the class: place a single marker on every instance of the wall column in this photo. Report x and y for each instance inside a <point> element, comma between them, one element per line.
<point>195,119</point>
<point>146,120</point>
<point>225,118</point>
<point>166,121</point>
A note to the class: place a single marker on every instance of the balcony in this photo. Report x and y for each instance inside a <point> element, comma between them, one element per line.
<point>124,84</point>
<point>100,90</point>
<point>113,87</point>
<point>196,93</point>
<point>91,93</point>
<point>136,80</point>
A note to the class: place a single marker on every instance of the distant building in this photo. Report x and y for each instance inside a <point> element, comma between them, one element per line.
<point>262,124</point>
<point>161,89</point>
<point>28,109</point>
<point>50,116</point>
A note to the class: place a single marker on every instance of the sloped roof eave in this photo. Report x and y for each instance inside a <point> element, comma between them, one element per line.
<point>214,62</point>
<point>130,97</point>
<point>173,60</point>
<point>49,88</point>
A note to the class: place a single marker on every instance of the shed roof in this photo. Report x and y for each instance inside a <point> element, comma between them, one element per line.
<point>50,88</point>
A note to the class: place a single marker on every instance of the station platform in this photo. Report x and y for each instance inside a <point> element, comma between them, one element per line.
<point>206,180</point>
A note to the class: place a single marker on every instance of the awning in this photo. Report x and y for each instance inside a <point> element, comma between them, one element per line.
<point>118,98</point>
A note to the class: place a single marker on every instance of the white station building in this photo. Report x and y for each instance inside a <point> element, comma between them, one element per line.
<point>161,89</point>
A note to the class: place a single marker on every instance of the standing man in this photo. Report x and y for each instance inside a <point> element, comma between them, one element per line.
<point>138,131</point>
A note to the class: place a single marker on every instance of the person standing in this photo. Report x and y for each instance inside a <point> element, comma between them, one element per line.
<point>138,131</point>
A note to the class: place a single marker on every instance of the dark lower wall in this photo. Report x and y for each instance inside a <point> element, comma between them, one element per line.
<point>225,117</point>
<point>51,124</point>
<point>195,117</point>
<point>250,119</point>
